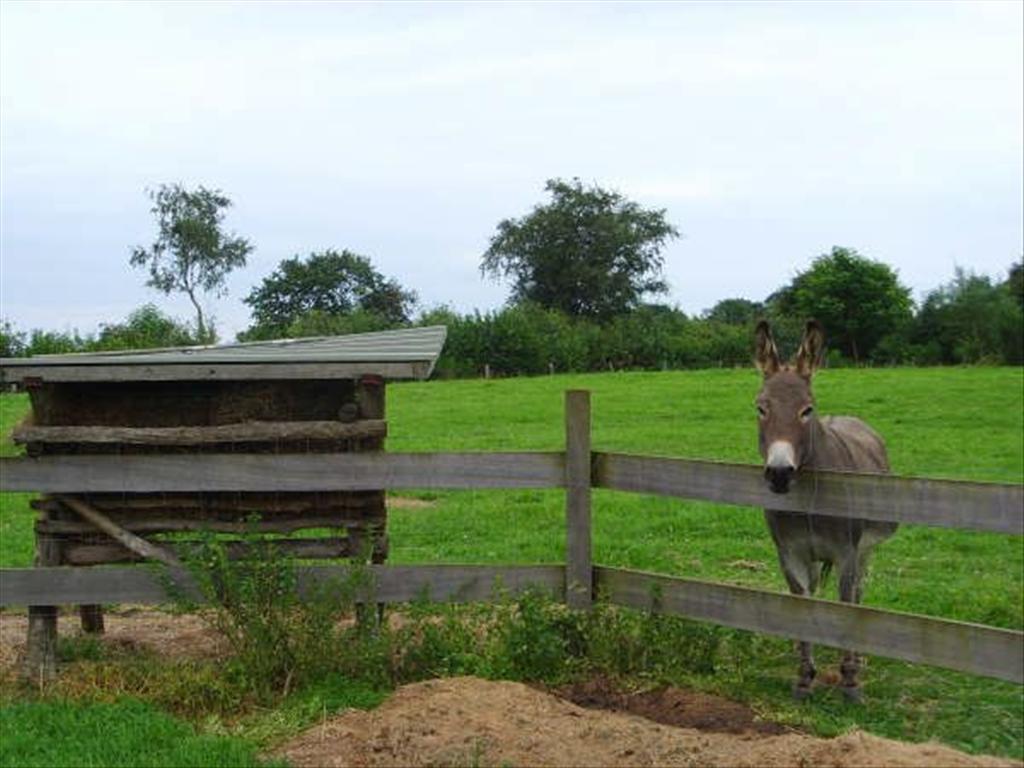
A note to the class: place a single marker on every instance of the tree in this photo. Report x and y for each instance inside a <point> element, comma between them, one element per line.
<point>735,312</point>
<point>191,253</point>
<point>859,301</point>
<point>971,320</point>
<point>588,253</point>
<point>329,284</point>
<point>1015,282</point>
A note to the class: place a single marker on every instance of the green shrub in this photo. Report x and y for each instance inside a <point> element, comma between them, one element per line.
<point>280,638</point>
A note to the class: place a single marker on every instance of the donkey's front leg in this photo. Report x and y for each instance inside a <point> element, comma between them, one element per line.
<point>850,575</point>
<point>798,573</point>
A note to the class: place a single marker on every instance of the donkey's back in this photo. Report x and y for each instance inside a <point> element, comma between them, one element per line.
<point>850,445</point>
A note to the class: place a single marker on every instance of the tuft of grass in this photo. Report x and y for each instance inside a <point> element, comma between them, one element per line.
<point>61,733</point>
<point>305,707</point>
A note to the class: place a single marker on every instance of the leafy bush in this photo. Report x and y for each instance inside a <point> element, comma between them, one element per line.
<point>283,640</point>
<point>280,638</point>
<point>146,328</point>
<point>528,340</point>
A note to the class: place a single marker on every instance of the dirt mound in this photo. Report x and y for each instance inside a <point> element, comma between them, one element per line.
<point>670,706</point>
<point>467,721</point>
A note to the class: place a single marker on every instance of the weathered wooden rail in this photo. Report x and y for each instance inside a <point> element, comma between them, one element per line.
<point>957,645</point>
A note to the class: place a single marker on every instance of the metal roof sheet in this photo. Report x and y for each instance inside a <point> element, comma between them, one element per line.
<point>420,346</point>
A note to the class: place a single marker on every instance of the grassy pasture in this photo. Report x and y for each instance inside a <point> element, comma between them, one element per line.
<point>955,423</point>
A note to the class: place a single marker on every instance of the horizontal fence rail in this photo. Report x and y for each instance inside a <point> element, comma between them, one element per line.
<point>974,648</point>
<point>383,583</point>
<point>281,472</point>
<point>946,503</point>
<point>977,506</point>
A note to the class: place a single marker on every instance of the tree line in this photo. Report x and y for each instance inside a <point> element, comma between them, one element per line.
<point>585,269</point>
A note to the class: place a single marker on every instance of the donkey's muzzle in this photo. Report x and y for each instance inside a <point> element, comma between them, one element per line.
<point>779,478</point>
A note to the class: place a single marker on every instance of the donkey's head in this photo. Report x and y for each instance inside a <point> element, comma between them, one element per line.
<point>785,404</point>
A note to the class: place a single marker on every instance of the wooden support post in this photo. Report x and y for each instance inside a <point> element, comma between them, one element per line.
<point>92,619</point>
<point>579,576</point>
<point>39,665</point>
<point>371,396</point>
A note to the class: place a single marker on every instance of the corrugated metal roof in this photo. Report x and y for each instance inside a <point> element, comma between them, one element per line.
<point>408,345</point>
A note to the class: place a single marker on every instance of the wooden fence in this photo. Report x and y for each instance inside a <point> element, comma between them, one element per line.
<point>956,645</point>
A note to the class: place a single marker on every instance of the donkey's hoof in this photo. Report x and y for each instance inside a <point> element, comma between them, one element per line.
<point>853,694</point>
<point>801,692</point>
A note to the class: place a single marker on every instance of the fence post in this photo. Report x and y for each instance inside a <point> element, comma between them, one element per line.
<point>40,662</point>
<point>579,571</point>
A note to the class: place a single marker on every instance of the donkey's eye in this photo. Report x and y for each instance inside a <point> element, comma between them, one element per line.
<point>806,412</point>
<point>762,411</point>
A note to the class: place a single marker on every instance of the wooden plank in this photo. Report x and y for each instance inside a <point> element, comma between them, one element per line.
<point>393,584</point>
<point>944,503</point>
<point>956,645</point>
<point>280,472</point>
<point>102,584</point>
<point>168,523</point>
<point>227,506</point>
<point>308,549</point>
<point>213,371</point>
<point>579,571</point>
<point>253,431</point>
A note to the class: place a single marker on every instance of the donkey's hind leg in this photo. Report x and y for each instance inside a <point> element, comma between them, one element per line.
<point>850,575</point>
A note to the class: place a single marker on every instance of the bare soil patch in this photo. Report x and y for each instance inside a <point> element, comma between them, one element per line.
<point>408,502</point>
<point>129,629</point>
<point>670,706</point>
<point>468,721</point>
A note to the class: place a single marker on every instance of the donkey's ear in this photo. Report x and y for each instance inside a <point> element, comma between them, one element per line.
<point>766,355</point>
<point>808,357</point>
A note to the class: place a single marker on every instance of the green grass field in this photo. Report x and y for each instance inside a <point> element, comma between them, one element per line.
<point>965,423</point>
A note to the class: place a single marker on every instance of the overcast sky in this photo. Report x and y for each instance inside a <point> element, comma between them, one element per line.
<point>405,132</point>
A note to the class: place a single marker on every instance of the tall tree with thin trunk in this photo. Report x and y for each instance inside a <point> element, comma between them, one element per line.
<point>191,254</point>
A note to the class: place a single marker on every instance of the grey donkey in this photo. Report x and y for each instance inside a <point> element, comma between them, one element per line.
<point>792,438</point>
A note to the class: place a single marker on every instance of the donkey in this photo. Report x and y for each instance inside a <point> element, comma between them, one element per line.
<point>792,438</point>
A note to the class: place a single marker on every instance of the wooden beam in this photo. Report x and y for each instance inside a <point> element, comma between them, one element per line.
<point>247,432</point>
<point>226,505</point>
<point>126,539</point>
<point>280,472</point>
<point>944,503</point>
<point>168,522</point>
<point>393,584</point>
<point>956,645</point>
<point>211,372</point>
<point>579,571</point>
<point>307,549</point>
